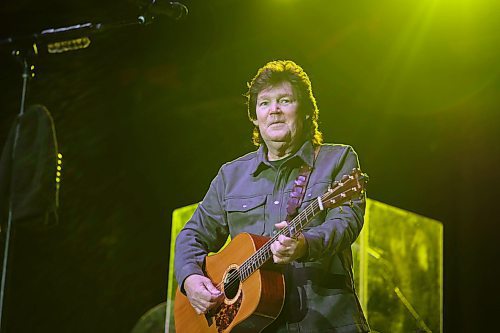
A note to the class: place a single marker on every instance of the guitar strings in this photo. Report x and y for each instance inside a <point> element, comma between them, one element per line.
<point>265,250</point>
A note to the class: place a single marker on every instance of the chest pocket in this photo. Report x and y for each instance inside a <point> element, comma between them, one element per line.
<point>246,215</point>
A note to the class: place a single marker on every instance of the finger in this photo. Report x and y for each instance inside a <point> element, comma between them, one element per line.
<point>211,288</point>
<point>287,248</point>
<point>203,293</point>
<point>204,306</point>
<point>281,225</point>
<point>199,308</point>
<point>277,248</point>
<point>280,260</point>
<point>285,241</point>
<point>202,301</point>
<point>213,304</point>
<point>282,252</point>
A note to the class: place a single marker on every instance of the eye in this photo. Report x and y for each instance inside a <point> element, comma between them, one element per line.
<point>285,100</point>
<point>263,103</point>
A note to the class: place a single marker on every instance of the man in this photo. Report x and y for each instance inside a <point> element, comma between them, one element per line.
<point>250,194</point>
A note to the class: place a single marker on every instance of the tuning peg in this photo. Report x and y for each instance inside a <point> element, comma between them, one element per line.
<point>365,177</point>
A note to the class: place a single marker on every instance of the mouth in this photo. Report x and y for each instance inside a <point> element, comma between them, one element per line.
<point>276,123</point>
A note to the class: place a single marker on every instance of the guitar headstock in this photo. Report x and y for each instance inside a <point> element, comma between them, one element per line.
<point>349,187</point>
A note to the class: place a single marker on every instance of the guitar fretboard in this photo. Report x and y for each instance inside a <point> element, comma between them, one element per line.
<point>256,260</point>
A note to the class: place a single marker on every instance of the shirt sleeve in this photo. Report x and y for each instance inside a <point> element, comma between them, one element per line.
<point>343,224</point>
<point>205,232</point>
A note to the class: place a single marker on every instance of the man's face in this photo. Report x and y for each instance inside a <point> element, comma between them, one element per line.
<point>278,116</point>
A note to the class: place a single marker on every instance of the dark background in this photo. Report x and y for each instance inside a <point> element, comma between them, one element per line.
<point>147,114</point>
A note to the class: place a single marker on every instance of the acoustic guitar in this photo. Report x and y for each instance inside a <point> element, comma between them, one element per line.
<point>253,287</point>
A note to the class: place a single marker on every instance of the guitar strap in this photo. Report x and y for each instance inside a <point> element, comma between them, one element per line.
<point>299,189</point>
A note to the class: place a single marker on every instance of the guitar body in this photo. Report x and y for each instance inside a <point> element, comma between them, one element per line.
<point>249,306</point>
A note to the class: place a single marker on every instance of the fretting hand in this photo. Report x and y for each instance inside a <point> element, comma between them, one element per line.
<point>286,249</point>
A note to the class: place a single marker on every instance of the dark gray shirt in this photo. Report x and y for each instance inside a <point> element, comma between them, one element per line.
<point>250,195</point>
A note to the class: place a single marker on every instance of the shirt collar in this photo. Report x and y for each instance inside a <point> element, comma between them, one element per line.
<point>305,153</point>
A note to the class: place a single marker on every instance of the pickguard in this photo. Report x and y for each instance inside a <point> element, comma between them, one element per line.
<point>226,313</point>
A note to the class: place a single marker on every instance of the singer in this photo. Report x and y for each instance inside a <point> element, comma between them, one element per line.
<point>251,194</point>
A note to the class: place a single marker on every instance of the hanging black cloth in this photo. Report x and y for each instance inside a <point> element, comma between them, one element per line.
<point>29,180</point>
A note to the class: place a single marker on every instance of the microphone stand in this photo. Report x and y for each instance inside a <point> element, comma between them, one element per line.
<point>57,41</point>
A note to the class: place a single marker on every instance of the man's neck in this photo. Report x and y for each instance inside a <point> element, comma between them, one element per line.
<point>280,150</point>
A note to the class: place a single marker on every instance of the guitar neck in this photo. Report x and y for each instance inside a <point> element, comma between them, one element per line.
<point>295,226</point>
<point>348,187</point>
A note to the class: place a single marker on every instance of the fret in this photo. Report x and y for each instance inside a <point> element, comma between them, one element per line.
<point>299,222</point>
<point>306,217</point>
<point>296,226</point>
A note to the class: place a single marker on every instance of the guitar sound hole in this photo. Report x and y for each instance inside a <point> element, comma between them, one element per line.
<point>231,283</point>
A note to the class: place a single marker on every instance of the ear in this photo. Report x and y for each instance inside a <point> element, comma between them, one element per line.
<point>255,122</point>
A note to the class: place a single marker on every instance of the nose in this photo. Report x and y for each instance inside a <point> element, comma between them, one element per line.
<point>274,107</point>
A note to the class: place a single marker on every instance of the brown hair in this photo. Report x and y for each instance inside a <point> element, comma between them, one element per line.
<point>274,73</point>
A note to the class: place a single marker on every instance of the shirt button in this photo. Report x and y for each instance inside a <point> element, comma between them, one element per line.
<point>244,206</point>
<point>276,202</point>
